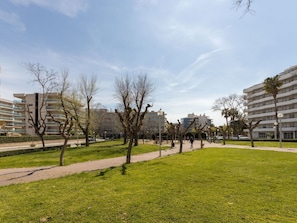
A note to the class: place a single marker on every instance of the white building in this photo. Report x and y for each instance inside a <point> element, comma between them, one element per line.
<point>201,120</point>
<point>260,106</point>
<point>6,116</point>
<point>34,106</point>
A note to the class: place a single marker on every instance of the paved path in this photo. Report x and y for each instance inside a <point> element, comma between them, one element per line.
<point>22,175</point>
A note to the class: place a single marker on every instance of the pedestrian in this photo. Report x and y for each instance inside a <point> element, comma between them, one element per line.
<point>191,141</point>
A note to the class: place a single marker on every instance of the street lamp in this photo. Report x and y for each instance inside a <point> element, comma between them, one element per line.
<point>160,113</point>
<point>280,116</point>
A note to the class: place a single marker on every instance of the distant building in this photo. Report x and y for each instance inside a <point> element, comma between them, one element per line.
<point>260,106</point>
<point>152,121</point>
<point>30,106</point>
<point>108,124</point>
<point>201,120</point>
<point>6,116</point>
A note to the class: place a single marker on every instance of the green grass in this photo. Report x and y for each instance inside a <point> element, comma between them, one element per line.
<point>96,151</point>
<point>262,143</point>
<point>209,185</point>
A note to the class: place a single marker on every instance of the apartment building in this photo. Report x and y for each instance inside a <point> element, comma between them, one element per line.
<point>260,106</point>
<point>152,121</point>
<point>6,116</point>
<point>201,120</point>
<point>107,124</point>
<point>36,107</point>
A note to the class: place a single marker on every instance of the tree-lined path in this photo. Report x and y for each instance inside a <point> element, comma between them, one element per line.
<point>22,175</point>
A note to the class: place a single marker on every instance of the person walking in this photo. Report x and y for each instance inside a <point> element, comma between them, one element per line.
<point>191,141</point>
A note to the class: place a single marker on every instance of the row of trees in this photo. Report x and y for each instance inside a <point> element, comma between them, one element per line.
<point>133,93</point>
<point>74,107</point>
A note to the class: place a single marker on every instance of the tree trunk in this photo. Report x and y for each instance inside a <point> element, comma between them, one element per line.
<point>180,145</point>
<point>172,143</point>
<point>42,140</point>
<point>136,140</point>
<point>125,137</point>
<point>87,138</point>
<point>251,137</point>
<point>201,140</point>
<point>224,139</point>
<point>276,118</point>
<point>129,150</point>
<point>63,151</point>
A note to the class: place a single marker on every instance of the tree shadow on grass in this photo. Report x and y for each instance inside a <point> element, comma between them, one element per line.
<point>103,172</point>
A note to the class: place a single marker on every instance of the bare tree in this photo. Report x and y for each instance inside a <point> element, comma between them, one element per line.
<point>199,129</point>
<point>46,79</point>
<point>171,130</point>
<point>87,89</point>
<point>181,132</point>
<point>96,120</point>
<point>224,131</point>
<point>132,93</point>
<point>65,119</point>
<point>251,127</point>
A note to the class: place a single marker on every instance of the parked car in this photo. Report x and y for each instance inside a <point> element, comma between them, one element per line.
<point>242,137</point>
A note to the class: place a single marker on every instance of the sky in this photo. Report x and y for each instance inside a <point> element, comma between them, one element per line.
<point>194,51</point>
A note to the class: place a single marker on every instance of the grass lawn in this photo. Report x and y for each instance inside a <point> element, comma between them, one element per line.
<point>209,185</point>
<point>262,143</point>
<point>96,151</point>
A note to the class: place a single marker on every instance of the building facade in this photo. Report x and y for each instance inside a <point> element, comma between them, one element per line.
<point>6,116</point>
<point>201,120</point>
<point>260,106</point>
<point>153,122</point>
<point>36,107</point>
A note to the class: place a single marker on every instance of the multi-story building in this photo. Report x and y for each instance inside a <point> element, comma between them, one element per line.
<point>260,106</point>
<point>201,120</point>
<point>107,124</point>
<point>6,116</point>
<point>36,107</point>
<point>152,121</point>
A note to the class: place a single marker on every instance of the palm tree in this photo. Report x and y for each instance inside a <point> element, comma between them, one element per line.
<point>272,86</point>
<point>226,114</point>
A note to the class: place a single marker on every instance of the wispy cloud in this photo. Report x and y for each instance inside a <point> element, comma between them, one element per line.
<point>12,19</point>
<point>67,7</point>
<point>191,72</point>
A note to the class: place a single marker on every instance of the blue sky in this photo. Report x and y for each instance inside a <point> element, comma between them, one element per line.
<point>194,51</point>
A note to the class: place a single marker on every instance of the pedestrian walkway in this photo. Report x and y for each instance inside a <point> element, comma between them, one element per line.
<point>22,175</point>
<point>37,144</point>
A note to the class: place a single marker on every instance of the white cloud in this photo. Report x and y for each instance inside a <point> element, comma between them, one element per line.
<point>12,19</point>
<point>67,7</point>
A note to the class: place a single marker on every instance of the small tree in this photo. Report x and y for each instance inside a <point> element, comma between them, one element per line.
<point>251,127</point>
<point>199,129</point>
<point>181,132</point>
<point>65,121</point>
<point>224,130</point>
<point>171,130</point>
<point>87,89</point>
<point>132,95</point>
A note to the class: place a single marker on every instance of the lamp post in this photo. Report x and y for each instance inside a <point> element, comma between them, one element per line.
<point>280,116</point>
<point>160,113</point>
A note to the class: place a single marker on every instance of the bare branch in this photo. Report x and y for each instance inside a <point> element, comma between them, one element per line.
<point>247,4</point>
